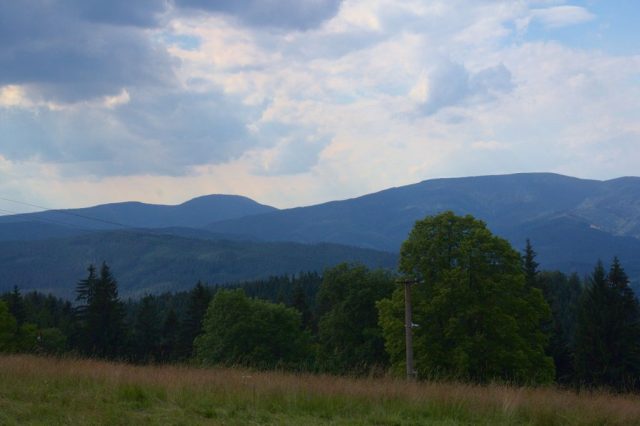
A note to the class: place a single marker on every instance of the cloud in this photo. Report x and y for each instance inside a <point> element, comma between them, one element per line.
<point>288,14</point>
<point>138,13</point>
<point>488,145</point>
<point>68,51</point>
<point>185,129</point>
<point>452,84</point>
<point>292,155</point>
<point>562,16</point>
<point>161,101</point>
<point>137,132</point>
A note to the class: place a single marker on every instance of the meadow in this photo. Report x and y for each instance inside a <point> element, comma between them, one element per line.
<point>39,390</point>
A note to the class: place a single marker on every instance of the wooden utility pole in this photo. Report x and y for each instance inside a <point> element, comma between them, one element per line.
<point>408,327</point>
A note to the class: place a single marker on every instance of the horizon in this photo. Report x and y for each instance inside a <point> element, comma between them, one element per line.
<point>45,208</point>
<point>164,101</point>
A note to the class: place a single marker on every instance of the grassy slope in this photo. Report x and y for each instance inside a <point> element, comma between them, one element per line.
<point>48,391</point>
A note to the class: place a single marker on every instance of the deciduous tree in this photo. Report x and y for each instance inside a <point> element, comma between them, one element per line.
<point>348,331</point>
<point>476,319</point>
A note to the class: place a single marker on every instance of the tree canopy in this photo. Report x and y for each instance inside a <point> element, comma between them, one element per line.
<point>349,335</point>
<point>608,331</point>
<point>100,313</point>
<point>242,331</point>
<point>476,319</point>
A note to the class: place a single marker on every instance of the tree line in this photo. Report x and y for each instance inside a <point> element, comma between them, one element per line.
<point>482,312</point>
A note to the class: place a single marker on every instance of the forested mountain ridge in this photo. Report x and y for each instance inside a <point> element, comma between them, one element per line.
<point>194,213</point>
<point>570,221</point>
<point>381,220</point>
<point>148,262</point>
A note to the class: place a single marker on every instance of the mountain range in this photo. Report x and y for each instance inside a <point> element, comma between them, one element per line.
<point>571,223</point>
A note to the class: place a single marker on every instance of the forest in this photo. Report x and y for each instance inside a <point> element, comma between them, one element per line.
<point>483,313</point>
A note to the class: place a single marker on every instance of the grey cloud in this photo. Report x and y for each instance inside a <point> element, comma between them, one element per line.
<point>290,14</point>
<point>190,129</point>
<point>139,13</point>
<point>452,84</point>
<point>297,152</point>
<point>157,132</point>
<point>57,137</point>
<point>491,80</point>
<point>60,53</point>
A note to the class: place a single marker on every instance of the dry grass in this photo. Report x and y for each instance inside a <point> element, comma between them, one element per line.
<point>36,390</point>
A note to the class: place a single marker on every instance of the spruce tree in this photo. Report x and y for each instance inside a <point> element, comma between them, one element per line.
<point>530,265</point>
<point>191,327</point>
<point>299,302</point>
<point>7,328</point>
<point>146,330</point>
<point>563,296</point>
<point>84,295</point>
<point>170,335</point>
<point>16,306</point>
<point>101,314</point>
<point>608,333</point>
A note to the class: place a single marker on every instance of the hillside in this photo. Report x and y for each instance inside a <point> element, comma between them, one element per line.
<point>571,222</point>
<point>194,213</point>
<point>145,262</point>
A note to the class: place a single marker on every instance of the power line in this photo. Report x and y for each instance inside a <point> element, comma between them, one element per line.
<point>61,211</point>
<point>43,220</point>
<point>38,218</point>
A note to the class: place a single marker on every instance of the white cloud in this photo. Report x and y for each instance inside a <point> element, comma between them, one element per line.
<point>562,16</point>
<point>489,145</point>
<point>12,96</point>
<point>384,93</point>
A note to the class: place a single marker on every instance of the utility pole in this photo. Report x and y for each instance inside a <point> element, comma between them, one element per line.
<point>408,326</point>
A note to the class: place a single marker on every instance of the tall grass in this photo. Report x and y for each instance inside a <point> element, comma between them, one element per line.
<point>35,390</point>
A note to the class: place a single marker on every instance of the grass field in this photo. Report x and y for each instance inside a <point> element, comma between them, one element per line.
<point>36,390</point>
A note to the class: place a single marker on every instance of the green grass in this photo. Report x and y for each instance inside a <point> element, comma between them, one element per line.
<point>50,391</point>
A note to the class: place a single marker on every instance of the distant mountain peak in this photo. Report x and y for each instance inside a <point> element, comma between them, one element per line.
<point>195,213</point>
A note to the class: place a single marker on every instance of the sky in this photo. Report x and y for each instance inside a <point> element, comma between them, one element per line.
<point>298,102</point>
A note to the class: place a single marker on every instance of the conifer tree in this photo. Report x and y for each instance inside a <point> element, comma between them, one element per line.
<point>608,332</point>
<point>299,302</point>
<point>146,330</point>
<point>16,306</point>
<point>530,265</point>
<point>563,295</point>
<point>100,314</point>
<point>7,328</point>
<point>191,327</point>
<point>170,334</point>
<point>84,292</point>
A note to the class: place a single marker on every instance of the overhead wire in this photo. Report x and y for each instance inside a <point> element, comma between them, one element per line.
<point>64,212</point>
<point>37,217</point>
<point>5,212</point>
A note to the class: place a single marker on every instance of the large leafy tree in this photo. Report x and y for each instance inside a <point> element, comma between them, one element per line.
<point>242,331</point>
<point>349,334</point>
<point>476,319</point>
<point>608,332</point>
